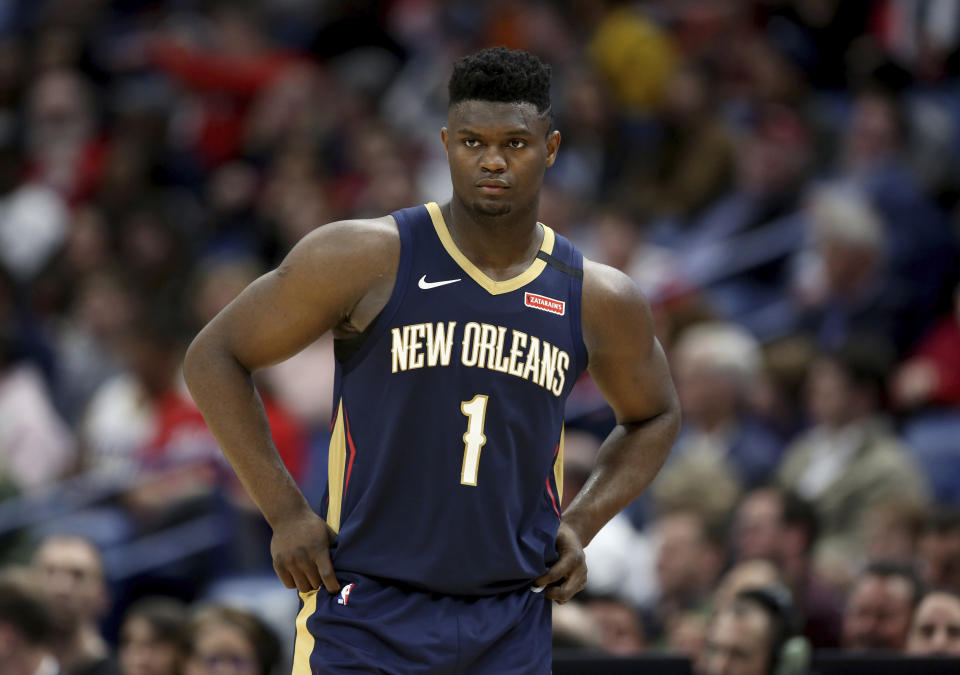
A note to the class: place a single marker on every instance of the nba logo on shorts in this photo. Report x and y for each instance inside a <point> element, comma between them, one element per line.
<point>344,598</point>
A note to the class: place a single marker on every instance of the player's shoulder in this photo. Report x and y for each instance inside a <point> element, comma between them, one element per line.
<point>604,285</point>
<point>366,241</point>
<point>613,308</point>
<point>360,232</point>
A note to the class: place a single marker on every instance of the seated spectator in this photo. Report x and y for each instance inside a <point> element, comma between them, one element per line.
<point>939,550</point>
<point>850,459</point>
<point>842,285</point>
<point>755,573</point>
<point>616,238</point>
<point>754,636</point>
<point>891,529</point>
<point>776,525</point>
<point>689,562</point>
<point>71,574</point>
<point>26,627</point>
<point>714,364</point>
<point>686,633</point>
<point>880,607</point>
<point>935,630</point>
<point>153,638</point>
<point>919,245</point>
<point>36,447</point>
<point>619,623</point>
<point>221,636</point>
<point>692,162</point>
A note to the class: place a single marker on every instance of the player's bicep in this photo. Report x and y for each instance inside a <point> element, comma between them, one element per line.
<point>312,290</point>
<point>271,320</point>
<point>626,360</point>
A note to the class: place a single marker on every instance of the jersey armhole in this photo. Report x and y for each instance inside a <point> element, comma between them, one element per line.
<point>576,302</point>
<point>351,351</point>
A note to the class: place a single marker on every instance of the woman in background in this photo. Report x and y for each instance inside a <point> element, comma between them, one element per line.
<point>153,637</point>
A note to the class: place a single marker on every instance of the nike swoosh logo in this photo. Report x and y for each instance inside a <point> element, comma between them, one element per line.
<point>426,285</point>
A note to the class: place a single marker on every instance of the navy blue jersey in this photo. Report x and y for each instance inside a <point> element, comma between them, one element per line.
<point>445,468</point>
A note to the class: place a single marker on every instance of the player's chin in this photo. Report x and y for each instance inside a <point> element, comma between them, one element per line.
<point>492,207</point>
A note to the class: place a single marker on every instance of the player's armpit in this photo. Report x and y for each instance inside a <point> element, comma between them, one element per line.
<point>316,288</point>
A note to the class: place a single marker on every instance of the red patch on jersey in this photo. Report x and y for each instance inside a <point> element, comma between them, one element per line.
<point>557,307</point>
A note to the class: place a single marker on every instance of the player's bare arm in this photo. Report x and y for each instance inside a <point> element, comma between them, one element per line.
<point>337,278</point>
<point>628,365</point>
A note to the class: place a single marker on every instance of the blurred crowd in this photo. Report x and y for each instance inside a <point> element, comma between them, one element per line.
<point>778,176</point>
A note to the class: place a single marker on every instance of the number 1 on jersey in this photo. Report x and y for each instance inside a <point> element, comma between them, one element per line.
<point>476,411</point>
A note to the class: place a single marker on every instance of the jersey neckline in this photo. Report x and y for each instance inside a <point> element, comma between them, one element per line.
<point>490,285</point>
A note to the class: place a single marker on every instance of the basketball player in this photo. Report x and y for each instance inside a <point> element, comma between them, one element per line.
<point>460,329</point>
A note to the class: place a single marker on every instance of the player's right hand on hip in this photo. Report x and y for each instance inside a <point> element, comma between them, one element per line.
<point>301,553</point>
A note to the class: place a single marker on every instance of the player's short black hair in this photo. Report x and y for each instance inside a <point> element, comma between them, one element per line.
<point>501,75</point>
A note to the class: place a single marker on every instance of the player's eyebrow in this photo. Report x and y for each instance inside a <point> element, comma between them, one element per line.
<point>518,131</point>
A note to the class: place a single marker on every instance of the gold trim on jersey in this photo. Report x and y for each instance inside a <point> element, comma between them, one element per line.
<point>558,467</point>
<point>303,647</point>
<point>336,466</point>
<point>493,287</point>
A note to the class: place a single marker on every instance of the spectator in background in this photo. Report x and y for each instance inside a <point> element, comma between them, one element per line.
<point>88,336</point>
<point>842,285</point>
<point>880,607</point>
<point>64,149</point>
<point>26,628</point>
<point>749,636</point>
<point>70,571</point>
<point>635,57</point>
<point>919,246</point>
<point>891,529</point>
<point>36,446</point>
<point>617,239</point>
<point>935,630</point>
<point>689,562</point>
<point>223,636</point>
<point>939,549</point>
<point>153,637</point>
<point>755,573</point>
<point>776,525</point>
<point>849,459</point>
<point>236,63</point>
<point>620,624</point>
<point>738,248</point>
<point>714,364</point>
<point>694,159</point>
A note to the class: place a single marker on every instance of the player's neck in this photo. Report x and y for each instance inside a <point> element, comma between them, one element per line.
<point>501,246</point>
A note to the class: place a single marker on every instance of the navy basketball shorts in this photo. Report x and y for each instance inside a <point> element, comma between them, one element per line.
<point>373,627</point>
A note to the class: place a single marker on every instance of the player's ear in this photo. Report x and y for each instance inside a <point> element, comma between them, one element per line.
<point>553,145</point>
<point>445,137</point>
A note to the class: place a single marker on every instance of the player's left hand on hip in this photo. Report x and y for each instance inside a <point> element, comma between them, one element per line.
<point>568,575</point>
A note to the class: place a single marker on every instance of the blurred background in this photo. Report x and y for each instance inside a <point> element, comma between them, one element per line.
<point>778,176</point>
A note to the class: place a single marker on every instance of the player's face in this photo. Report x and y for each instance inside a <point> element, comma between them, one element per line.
<point>498,153</point>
